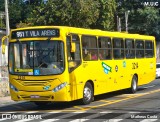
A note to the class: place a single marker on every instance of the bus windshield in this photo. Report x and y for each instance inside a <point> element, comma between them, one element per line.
<point>36,57</point>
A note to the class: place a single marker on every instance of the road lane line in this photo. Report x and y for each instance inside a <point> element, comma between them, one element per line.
<point>4,119</point>
<point>53,112</point>
<point>149,86</point>
<point>31,112</point>
<point>79,120</point>
<point>105,112</point>
<point>101,105</point>
<point>23,120</point>
<point>133,112</point>
<point>149,120</point>
<point>81,108</point>
<point>49,120</point>
<point>128,98</point>
<point>114,120</point>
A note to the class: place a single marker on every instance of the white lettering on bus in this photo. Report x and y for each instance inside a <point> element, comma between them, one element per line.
<point>48,33</point>
<point>26,33</point>
<point>20,34</point>
<point>34,33</point>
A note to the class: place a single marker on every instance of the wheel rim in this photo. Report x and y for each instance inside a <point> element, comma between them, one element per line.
<point>134,84</point>
<point>87,93</point>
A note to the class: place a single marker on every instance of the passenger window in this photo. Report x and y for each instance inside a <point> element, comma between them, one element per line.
<point>89,48</point>
<point>139,48</point>
<point>129,48</point>
<point>105,48</point>
<point>118,48</point>
<point>74,58</point>
<point>149,50</point>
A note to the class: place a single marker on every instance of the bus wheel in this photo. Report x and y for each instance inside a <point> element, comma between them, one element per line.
<point>87,94</point>
<point>134,85</point>
<point>40,103</point>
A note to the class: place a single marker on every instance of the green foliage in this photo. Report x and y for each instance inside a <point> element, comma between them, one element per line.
<point>105,20</point>
<point>81,13</point>
<point>142,19</point>
<point>100,14</point>
<point>15,11</point>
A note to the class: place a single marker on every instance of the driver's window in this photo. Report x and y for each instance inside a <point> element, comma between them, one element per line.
<point>74,58</point>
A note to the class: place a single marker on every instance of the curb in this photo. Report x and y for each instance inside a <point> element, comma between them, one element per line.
<point>6,99</point>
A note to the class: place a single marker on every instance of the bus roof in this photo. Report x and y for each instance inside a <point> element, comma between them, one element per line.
<point>97,32</point>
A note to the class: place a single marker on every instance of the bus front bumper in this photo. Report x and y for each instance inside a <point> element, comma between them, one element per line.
<point>51,96</point>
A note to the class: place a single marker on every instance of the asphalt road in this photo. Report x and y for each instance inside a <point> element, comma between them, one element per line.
<point>119,106</point>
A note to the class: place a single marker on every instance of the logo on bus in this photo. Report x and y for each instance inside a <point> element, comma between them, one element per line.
<point>46,87</point>
<point>36,72</point>
<point>106,67</point>
<point>124,64</point>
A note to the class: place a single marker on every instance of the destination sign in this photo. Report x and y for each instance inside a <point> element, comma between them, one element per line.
<point>35,33</point>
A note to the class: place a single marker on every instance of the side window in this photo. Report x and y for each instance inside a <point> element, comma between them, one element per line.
<point>118,48</point>
<point>149,50</point>
<point>74,58</point>
<point>105,48</point>
<point>89,48</point>
<point>129,48</point>
<point>139,48</point>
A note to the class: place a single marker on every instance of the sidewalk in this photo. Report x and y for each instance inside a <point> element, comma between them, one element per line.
<point>6,99</point>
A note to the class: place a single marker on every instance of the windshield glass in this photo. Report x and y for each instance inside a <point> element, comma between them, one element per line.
<point>36,57</point>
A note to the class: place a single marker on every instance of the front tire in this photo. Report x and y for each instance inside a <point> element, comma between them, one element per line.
<point>87,94</point>
<point>134,84</point>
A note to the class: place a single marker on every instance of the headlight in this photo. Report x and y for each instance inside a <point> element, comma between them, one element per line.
<point>13,88</point>
<point>59,87</point>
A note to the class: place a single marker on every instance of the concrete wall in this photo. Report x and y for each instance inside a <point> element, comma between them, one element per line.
<point>4,82</point>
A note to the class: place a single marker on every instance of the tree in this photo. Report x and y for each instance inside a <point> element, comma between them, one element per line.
<point>142,19</point>
<point>2,16</point>
<point>63,12</point>
<point>105,20</point>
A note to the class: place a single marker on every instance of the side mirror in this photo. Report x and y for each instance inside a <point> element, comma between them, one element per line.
<point>3,49</point>
<point>3,45</point>
<point>73,47</point>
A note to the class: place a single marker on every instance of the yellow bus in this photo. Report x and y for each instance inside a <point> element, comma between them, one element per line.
<point>59,63</point>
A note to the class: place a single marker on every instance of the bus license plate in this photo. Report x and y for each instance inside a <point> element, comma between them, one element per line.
<point>35,96</point>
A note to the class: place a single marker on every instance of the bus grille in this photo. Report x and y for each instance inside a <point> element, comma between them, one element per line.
<point>34,83</point>
<point>40,98</point>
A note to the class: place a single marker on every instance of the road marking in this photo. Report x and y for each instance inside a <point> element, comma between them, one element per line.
<point>4,119</point>
<point>50,120</point>
<point>74,110</point>
<point>114,120</point>
<point>101,105</point>
<point>149,120</point>
<point>79,112</point>
<point>79,120</point>
<point>116,101</point>
<point>23,120</point>
<point>81,108</point>
<point>53,112</point>
<point>105,112</point>
<point>132,112</point>
<point>32,112</point>
<point>148,86</point>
